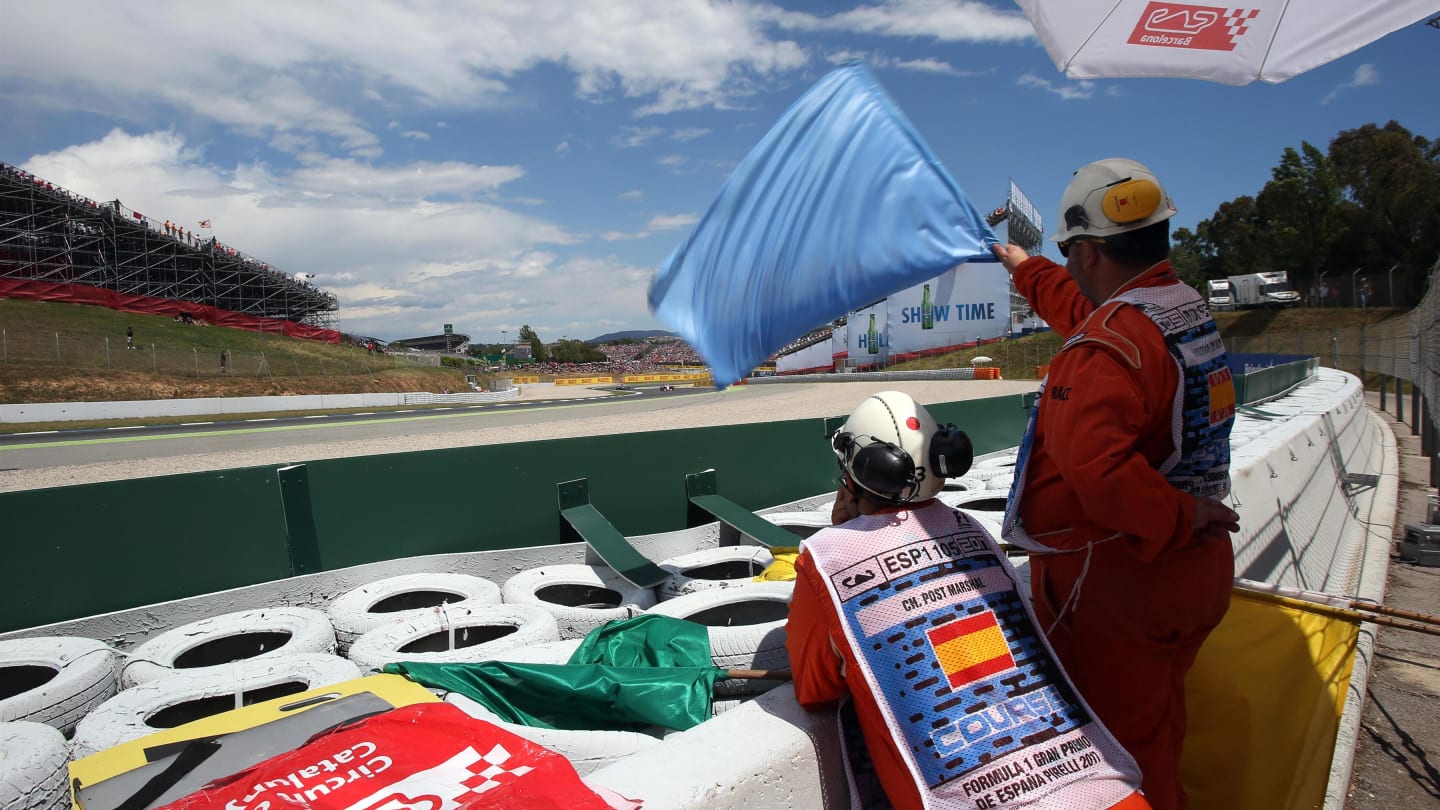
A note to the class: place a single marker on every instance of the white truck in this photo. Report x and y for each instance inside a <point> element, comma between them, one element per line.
<point>1217,294</point>
<point>1263,290</point>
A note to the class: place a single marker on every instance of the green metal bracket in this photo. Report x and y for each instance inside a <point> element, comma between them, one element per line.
<point>301,540</point>
<point>1027,401</point>
<point>833,423</point>
<point>582,521</point>
<point>706,504</point>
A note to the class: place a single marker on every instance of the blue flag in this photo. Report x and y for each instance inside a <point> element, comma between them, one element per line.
<point>840,204</point>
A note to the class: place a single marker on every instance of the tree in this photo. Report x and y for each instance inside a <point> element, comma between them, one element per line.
<point>1393,177</point>
<point>537,346</point>
<point>576,351</point>
<point>1236,237</point>
<point>1187,257</point>
<point>1301,210</point>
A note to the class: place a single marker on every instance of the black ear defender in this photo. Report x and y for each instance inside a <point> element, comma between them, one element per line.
<point>884,468</point>
<point>951,452</point>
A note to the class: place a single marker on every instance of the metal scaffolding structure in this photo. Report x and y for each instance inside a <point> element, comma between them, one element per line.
<point>50,234</point>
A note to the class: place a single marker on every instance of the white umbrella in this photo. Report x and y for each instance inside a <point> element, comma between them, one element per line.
<point>1264,39</point>
<point>975,361</point>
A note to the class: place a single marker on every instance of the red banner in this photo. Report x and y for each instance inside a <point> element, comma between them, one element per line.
<point>428,756</point>
<point>145,305</point>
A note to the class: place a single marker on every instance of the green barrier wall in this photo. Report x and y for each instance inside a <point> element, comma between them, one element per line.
<point>82,550</point>
<point>1266,383</point>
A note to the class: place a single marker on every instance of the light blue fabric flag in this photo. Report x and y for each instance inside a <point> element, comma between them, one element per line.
<point>840,204</point>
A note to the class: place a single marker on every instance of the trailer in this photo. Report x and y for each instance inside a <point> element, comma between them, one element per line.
<point>1263,290</point>
<point>1218,295</point>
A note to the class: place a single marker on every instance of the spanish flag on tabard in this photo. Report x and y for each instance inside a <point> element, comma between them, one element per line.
<point>970,649</point>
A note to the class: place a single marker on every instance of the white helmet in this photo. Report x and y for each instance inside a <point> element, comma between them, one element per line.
<point>892,448</point>
<point>1109,197</point>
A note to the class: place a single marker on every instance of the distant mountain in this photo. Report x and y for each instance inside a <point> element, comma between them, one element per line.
<point>633,334</point>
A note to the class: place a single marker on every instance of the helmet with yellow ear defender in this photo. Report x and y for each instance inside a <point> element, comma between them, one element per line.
<point>1110,197</point>
<point>892,448</point>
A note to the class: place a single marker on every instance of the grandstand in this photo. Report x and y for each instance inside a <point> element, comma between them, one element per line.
<point>455,342</point>
<point>55,243</point>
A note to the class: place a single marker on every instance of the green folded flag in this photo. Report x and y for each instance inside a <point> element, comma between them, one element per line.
<point>625,676</point>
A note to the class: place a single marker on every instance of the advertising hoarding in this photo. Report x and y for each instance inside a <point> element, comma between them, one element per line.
<point>968,303</point>
<point>867,341</point>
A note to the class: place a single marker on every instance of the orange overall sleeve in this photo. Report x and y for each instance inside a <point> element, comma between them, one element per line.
<point>814,663</point>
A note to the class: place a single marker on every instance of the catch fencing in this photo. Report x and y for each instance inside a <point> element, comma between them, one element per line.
<point>1399,358</point>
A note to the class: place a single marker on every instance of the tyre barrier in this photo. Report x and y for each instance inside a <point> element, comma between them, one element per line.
<point>967,483</point>
<point>746,626</point>
<point>580,597</point>
<point>55,680</point>
<point>186,696</point>
<point>989,500</point>
<point>1003,460</point>
<point>447,635</point>
<point>396,599</point>
<point>586,750</point>
<point>800,524</point>
<point>220,640</point>
<point>33,772</point>
<point>712,569</point>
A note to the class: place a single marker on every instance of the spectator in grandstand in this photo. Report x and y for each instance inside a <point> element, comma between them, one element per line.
<point>130,337</point>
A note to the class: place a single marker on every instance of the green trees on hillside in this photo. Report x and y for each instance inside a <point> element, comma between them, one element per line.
<point>1369,203</point>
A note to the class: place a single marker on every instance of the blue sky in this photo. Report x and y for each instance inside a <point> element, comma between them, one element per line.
<point>492,164</point>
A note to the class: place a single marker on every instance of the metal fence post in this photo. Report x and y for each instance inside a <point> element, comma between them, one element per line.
<point>196,352</point>
<point>1414,409</point>
<point>154,360</point>
<point>107,352</point>
<point>57,347</point>
<point>1399,400</point>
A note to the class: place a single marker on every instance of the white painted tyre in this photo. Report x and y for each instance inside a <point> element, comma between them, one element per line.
<point>988,474</point>
<point>33,772</point>
<point>987,501</point>
<point>712,569</point>
<point>396,599</point>
<point>966,483</point>
<point>800,524</point>
<point>586,750</point>
<point>459,635</point>
<point>546,652</point>
<point>1001,483</point>
<point>220,640</point>
<point>55,680</point>
<point>1001,460</point>
<point>746,626</point>
<point>580,597</point>
<point>191,695</point>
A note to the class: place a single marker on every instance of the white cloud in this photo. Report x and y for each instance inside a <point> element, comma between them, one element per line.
<point>926,66</point>
<point>671,161</point>
<point>562,147</point>
<point>633,195</point>
<point>669,222</point>
<point>1365,76</point>
<point>394,255</point>
<point>942,20</point>
<point>657,224</point>
<point>633,137</point>
<point>416,134</point>
<point>689,133</point>
<point>1070,91</point>
<point>288,67</point>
